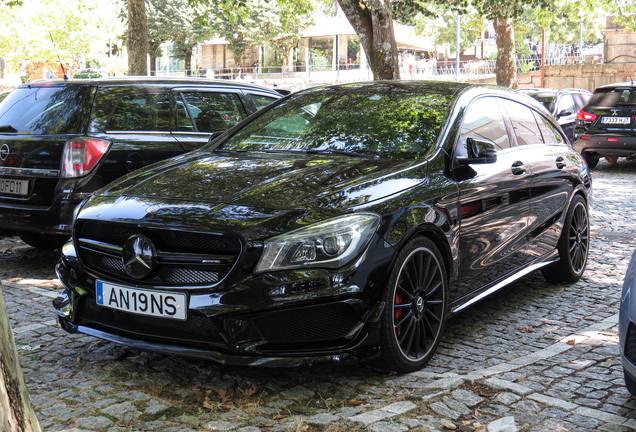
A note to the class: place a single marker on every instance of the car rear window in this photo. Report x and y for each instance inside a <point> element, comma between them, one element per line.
<point>613,97</point>
<point>50,110</point>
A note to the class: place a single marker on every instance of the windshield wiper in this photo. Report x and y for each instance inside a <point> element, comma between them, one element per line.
<point>7,128</point>
<point>626,103</point>
<point>341,153</point>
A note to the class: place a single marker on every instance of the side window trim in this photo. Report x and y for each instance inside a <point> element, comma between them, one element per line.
<point>243,101</point>
<point>174,112</point>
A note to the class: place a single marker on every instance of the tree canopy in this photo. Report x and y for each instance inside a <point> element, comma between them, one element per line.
<point>43,29</point>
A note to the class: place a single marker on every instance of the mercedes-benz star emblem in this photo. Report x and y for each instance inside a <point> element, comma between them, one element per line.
<point>4,152</point>
<point>139,256</point>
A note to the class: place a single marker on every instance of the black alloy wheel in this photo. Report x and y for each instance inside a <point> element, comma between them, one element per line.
<point>574,245</point>
<point>415,311</point>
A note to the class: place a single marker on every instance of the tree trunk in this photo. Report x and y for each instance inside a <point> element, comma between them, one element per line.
<point>374,27</point>
<point>153,66</point>
<point>137,38</point>
<point>506,65</point>
<point>188,62</point>
<point>16,411</point>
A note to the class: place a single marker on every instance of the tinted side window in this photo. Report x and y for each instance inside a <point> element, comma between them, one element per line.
<point>214,112</point>
<point>550,134</point>
<point>484,120</point>
<point>261,101</point>
<point>149,112</point>
<point>523,123</point>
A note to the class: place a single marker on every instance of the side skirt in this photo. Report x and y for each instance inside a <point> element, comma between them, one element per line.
<point>475,296</point>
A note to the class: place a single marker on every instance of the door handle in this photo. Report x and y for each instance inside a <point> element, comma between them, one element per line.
<point>560,163</point>
<point>518,168</point>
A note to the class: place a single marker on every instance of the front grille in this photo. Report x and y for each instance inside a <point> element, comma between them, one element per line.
<point>182,241</point>
<point>185,258</point>
<point>196,330</point>
<point>630,343</point>
<point>312,324</point>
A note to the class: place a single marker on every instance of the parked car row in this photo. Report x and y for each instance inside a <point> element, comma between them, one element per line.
<point>337,224</point>
<point>602,124</point>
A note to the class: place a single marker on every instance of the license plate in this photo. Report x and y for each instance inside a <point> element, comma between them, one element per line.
<point>14,187</point>
<point>616,120</point>
<point>141,301</point>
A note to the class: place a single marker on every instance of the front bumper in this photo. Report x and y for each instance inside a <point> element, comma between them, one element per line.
<point>257,323</point>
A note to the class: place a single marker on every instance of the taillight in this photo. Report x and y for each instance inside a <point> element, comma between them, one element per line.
<point>612,139</point>
<point>586,116</point>
<point>81,155</point>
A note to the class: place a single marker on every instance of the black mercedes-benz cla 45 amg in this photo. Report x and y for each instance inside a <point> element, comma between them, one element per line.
<point>339,224</point>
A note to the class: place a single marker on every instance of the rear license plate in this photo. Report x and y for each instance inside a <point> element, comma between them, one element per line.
<point>616,120</point>
<point>141,301</point>
<point>14,187</point>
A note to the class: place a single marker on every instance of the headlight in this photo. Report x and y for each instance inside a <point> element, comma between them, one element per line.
<point>330,244</point>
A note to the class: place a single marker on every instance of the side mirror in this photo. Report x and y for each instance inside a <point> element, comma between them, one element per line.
<point>480,151</point>
<point>564,113</point>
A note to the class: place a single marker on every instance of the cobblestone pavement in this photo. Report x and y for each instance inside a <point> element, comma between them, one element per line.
<point>545,354</point>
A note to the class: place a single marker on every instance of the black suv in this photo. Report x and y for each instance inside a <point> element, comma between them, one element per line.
<point>606,126</point>
<point>62,140</point>
<point>562,104</point>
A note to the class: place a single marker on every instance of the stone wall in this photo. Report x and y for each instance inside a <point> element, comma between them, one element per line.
<point>586,76</point>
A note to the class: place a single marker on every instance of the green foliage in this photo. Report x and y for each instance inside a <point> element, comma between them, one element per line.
<point>83,75</point>
<point>257,22</point>
<point>562,22</point>
<point>41,29</point>
<point>442,28</point>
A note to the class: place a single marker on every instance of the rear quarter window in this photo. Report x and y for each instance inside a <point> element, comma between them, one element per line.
<point>148,112</point>
<point>32,110</point>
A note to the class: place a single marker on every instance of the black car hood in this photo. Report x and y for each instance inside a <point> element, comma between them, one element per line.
<point>272,181</point>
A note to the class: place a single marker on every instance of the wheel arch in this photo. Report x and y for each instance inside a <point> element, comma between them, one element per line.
<point>439,239</point>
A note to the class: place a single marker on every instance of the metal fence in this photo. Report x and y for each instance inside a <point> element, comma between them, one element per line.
<point>422,69</point>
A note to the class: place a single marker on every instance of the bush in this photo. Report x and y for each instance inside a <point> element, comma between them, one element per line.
<point>83,75</point>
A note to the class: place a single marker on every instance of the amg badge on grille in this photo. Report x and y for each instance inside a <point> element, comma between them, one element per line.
<point>139,256</point>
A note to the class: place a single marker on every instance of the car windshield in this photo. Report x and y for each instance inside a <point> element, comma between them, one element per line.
<point>613,97</point>
<point>387,121</point>
<point>45,110</point>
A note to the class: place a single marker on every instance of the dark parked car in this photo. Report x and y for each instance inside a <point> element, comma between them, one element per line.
<point>627,327</point>
<point>62,140</point>
<point>606,126</point>
<point>336,221</point>
<point>562,104</point>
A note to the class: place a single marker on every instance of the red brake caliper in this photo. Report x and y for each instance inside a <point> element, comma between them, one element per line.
<point>398,312</point>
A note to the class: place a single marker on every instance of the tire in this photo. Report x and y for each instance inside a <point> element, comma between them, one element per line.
<point>415,311</point>
<point>43,241</point>
<point>573,245</point>
<point>630,383</point>
<point>591,159</point>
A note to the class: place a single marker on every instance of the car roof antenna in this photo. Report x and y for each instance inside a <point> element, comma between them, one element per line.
<point>58,57</point>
